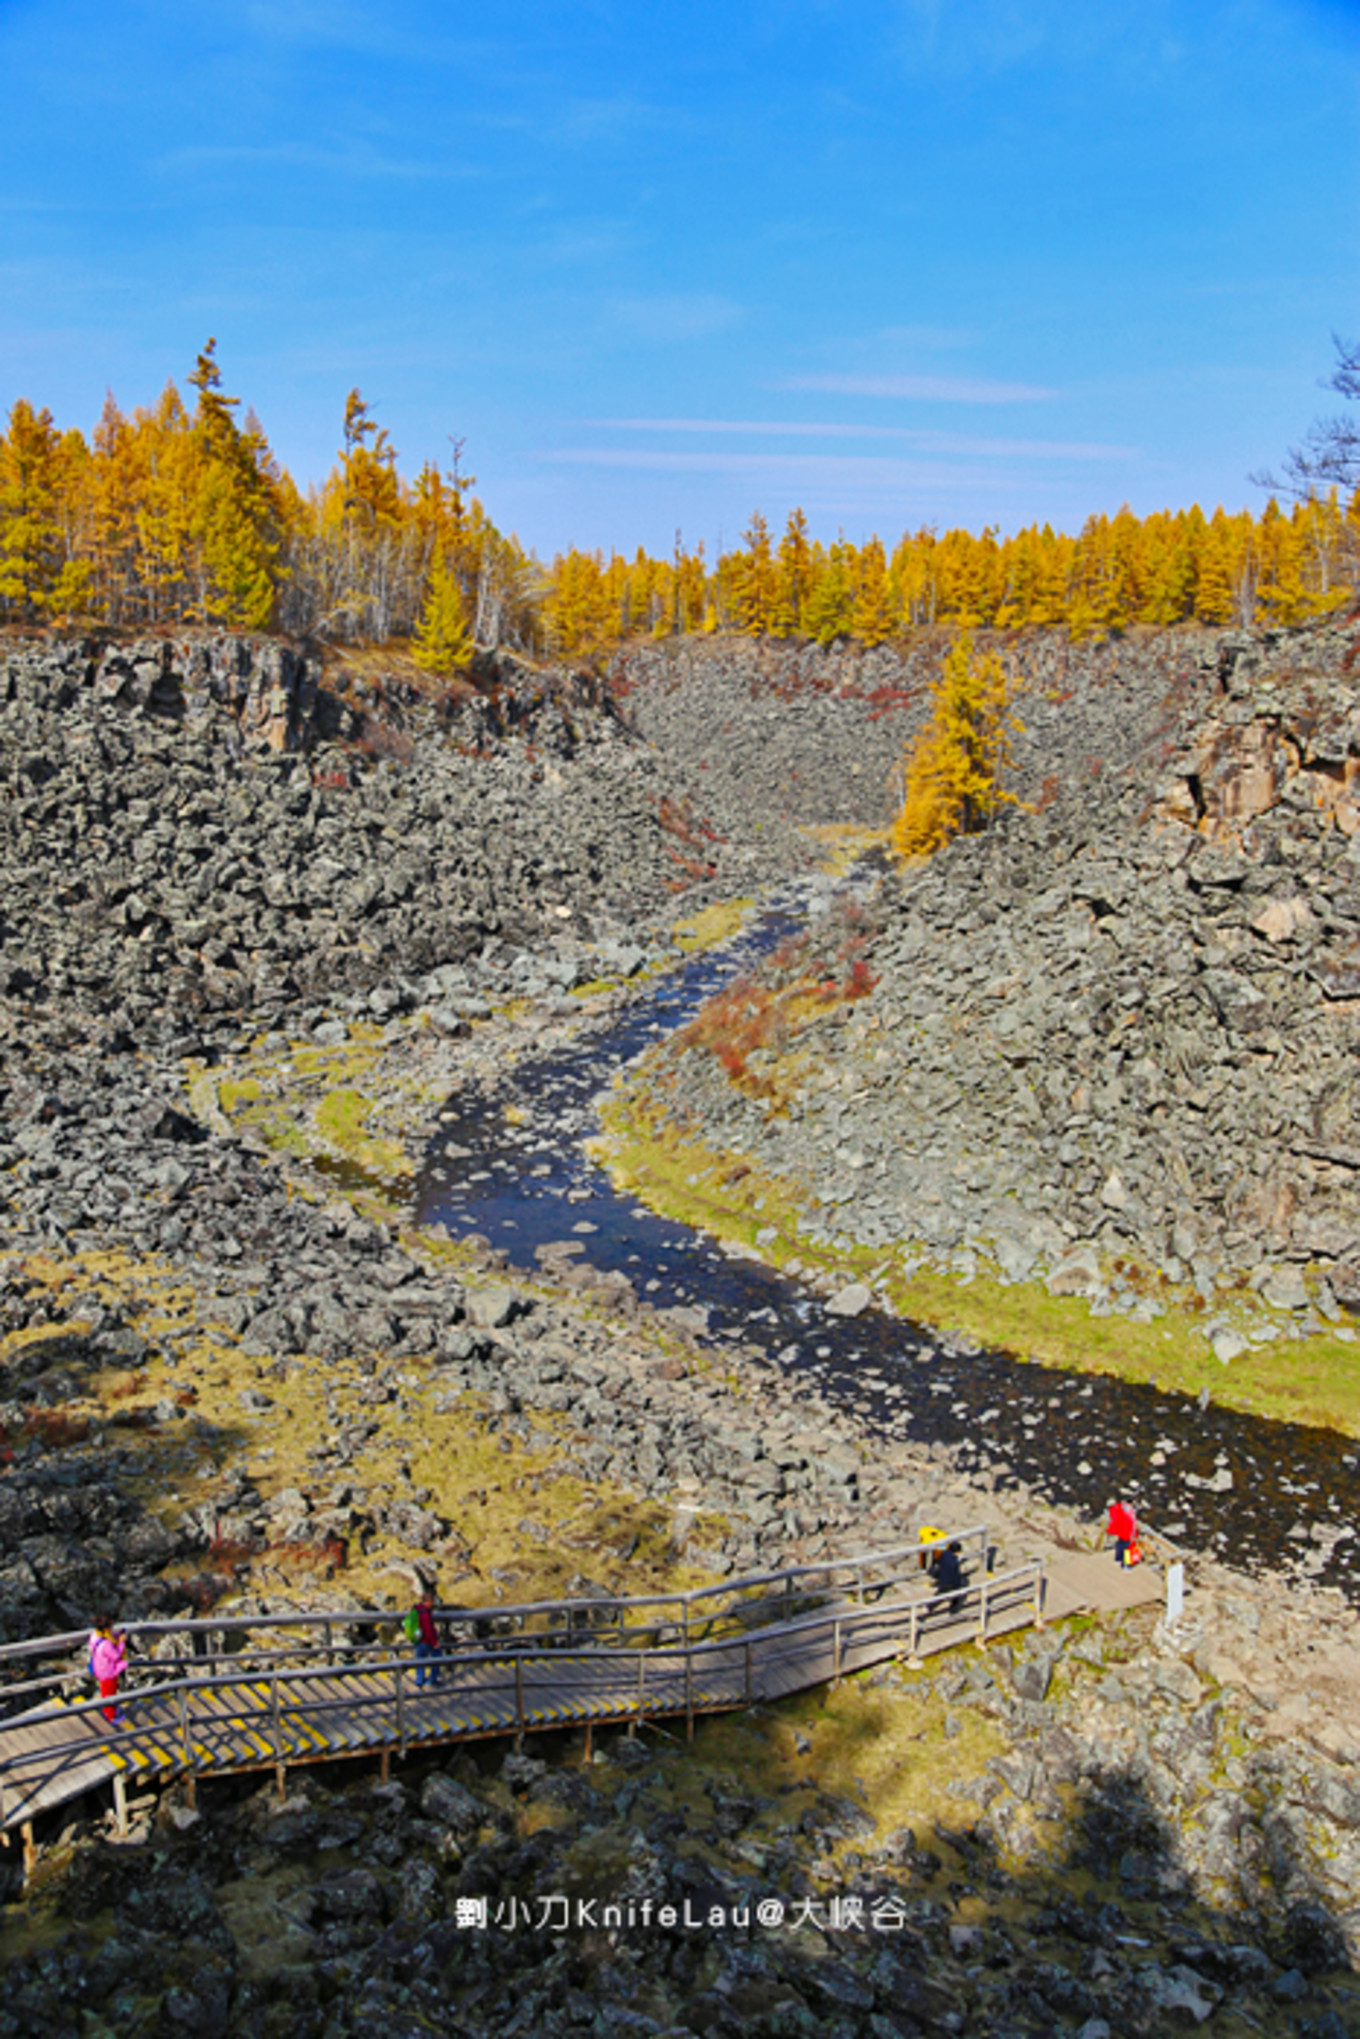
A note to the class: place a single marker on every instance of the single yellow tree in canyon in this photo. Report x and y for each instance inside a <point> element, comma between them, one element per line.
<point>953,768</point>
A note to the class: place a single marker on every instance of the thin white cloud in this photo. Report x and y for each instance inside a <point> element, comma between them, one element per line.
<point>945,337</point>
<point>926,442</point>
<point>604,119</point>
<point>355,159</point>
<point>932,389</point>
<point>682,316</point>
<point>334,24</point>
<point>584,241</point>
<point>845,472</point>
<point>961,36</point>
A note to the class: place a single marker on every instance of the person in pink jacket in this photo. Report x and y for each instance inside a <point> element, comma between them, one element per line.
<point>108,1661</point>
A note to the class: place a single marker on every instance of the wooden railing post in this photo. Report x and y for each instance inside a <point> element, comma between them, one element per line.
<point>836,1647</point>
<point>400,1681</point>
<point>689,1680</point>
<point>913,1656</point>
<point>642,1674</point>
<point>280,1772</point>
<point>982,1612</point>
<point>519,1701</point>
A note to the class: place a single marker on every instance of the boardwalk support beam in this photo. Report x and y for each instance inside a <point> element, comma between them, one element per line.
<point>120,1819</point>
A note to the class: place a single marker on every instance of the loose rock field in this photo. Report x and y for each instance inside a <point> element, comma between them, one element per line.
<point>241,966</point>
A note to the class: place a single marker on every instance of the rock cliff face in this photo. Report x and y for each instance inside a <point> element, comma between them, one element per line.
<point>176,835</point>
<point>268,689</point>
<point>1121,1026</point>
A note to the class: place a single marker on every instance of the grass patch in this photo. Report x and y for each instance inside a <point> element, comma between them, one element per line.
<point>882,1746</point>
<point>680,1177</point>
<point>232,1095</point>
<point>1313,1381</point>
<point>341,1119</point>
<point>712,926</point>
<point>843,843</point>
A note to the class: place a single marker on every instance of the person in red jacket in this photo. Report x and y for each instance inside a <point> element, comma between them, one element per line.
<point>1123,1527</point>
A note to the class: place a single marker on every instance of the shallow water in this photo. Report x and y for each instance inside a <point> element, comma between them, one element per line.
<point>1075,1439</point>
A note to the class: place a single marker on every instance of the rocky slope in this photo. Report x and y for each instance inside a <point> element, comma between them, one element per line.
<point>777,730</point>
<point>1118,1029</point>
<point>223,1379</point>
<point>167,844</point>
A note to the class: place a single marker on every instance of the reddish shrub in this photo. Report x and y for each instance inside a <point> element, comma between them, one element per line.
<point>54,1427</point>
<point>226,1554</point>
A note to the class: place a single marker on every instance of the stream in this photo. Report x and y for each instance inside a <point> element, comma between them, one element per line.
<point>511,1166</point>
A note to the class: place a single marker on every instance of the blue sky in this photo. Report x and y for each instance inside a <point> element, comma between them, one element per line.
<point>934,261</point>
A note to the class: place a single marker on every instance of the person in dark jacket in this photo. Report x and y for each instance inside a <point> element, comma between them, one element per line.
<point>946,1569</point>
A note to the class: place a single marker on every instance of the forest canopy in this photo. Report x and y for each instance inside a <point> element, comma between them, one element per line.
<point>181,514</point>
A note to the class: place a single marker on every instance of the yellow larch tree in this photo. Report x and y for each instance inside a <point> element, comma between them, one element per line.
<point>831,602</point>
<point>235,535</point>
<point>443,643</point>
<point>755,591</point>
<point>872,617</point>
<point>954,768</point>
<point>793,576</point>
<point>30,531</point>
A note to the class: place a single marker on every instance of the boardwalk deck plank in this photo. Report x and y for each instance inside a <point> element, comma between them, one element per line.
<point>295,1712</point>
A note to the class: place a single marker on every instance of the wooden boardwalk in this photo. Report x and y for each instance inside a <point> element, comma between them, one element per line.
<point>267,1693</point>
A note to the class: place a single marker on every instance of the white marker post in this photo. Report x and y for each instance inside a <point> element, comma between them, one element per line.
<point>1175,1593</point>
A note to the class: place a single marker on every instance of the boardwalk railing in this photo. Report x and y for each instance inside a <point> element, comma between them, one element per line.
<point>267,1642</point>
<point>273,1701</point>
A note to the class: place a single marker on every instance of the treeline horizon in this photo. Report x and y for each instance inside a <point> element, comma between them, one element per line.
<point>180,514</point>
